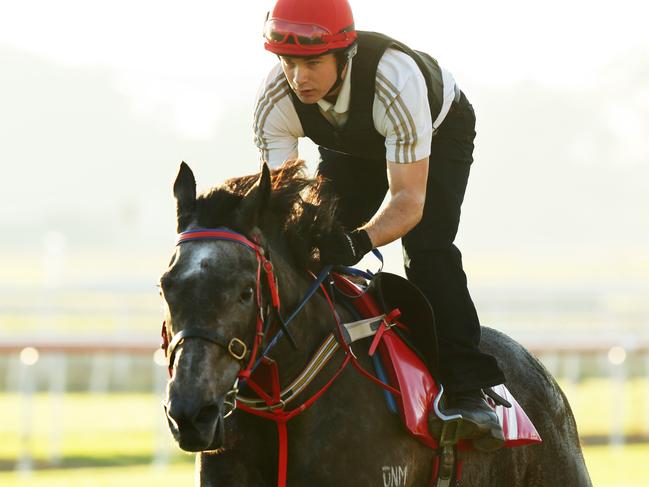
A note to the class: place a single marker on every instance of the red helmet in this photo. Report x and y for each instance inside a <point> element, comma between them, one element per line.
<point>309,27</point>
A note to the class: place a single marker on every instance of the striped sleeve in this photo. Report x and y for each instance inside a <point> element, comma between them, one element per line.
<point>276,125</point>
<point>401,110</point>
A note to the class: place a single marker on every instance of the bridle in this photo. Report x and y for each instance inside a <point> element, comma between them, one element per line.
<point>235,346</point>
<point>272,404</point>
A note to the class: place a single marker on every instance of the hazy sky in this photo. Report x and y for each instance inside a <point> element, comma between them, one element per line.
<point>180,62</point>
<point>99,102</point>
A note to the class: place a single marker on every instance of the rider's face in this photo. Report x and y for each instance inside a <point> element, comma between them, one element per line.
<point>310,78</point>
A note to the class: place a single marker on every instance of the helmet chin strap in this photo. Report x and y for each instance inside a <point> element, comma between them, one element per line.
<point>349,54</point>
<point>339,80</point>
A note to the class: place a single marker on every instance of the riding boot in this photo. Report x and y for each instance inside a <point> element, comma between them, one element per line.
<point>479,421</point>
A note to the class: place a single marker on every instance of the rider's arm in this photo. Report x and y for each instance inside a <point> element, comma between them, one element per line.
<point>406,205</point>
<point>402,114</point>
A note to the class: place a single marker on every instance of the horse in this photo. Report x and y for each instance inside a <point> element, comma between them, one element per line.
<point>215,297</point>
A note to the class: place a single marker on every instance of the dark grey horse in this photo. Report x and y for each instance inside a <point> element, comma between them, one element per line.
<point>348,437</point>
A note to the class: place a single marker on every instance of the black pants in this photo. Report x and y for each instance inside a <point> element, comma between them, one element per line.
<point>431,259</point>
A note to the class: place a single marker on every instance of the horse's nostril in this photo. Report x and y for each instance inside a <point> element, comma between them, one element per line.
<point>207,414</point>
<point>183,415</point>
<point>175,418</point>
<point>193,427</point>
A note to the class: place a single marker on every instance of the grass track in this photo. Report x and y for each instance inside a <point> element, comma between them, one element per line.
<point>626,467</point>
<point>110,440</point>
<point>136,475</point>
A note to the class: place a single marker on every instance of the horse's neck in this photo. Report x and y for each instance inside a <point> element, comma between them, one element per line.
<point>310,327</point>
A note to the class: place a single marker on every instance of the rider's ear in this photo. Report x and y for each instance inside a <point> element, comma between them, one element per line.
<point>185,193</point>
<point>255,200</point>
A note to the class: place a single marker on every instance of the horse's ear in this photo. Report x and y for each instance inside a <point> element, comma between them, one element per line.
<point>185,194</point>
<point>255,200</point>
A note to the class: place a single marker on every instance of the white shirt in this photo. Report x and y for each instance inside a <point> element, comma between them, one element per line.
<point>401,112</point>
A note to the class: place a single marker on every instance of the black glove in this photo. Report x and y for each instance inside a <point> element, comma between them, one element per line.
<point>344,248</point>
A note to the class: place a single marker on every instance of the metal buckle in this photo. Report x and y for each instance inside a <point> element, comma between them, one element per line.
<point>280,405</point>
<point>230,400</point>
<point>237,342</point>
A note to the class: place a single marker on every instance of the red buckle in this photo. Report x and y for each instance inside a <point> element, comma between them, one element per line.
<point>272,284</point>
<point>386,324</point>
<point>165,338</point>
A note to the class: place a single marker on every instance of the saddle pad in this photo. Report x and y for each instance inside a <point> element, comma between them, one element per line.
<point>408,374</point>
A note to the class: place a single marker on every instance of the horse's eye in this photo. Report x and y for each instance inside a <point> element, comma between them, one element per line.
<point>246,294</point>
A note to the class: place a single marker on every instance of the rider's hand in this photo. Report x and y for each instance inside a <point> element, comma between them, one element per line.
<point>345,248</point>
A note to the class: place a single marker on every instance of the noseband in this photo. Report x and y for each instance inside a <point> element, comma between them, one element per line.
<point>236,347</point>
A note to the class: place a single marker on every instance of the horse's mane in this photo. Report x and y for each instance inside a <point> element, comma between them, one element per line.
<point>300,209</point>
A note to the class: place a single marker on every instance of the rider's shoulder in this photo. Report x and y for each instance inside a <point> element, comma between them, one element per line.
<point>398,69</point>
<point>273,81</point>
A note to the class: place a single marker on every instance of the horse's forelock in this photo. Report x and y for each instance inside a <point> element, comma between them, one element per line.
<point>296,201</point>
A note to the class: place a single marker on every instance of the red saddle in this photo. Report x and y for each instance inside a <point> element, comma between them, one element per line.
<point>408,373</point>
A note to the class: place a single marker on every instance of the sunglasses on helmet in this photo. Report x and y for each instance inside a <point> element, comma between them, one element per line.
<point>305,35</point>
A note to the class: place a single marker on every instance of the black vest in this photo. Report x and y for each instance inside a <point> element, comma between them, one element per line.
<point>358,137</point>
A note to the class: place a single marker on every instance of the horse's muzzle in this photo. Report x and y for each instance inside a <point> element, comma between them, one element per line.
<point>196,427</point>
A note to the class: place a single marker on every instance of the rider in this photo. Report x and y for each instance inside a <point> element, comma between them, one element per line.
<point>384,117</point>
